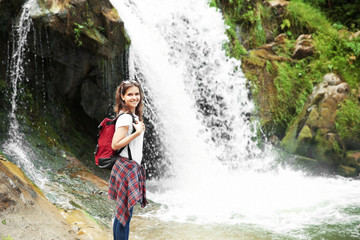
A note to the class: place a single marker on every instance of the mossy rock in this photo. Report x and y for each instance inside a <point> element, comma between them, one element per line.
<point>347,171</point>
<point>352,159</point>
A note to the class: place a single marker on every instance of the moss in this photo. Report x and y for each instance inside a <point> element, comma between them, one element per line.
<point>93,33</point>
<point>347,123</point>
<point>346,171</point>
<point>254,59</point>
<point>352,159</point>
<point>76,205</point>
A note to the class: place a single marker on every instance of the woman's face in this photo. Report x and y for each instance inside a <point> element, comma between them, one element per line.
<point>131,97</point>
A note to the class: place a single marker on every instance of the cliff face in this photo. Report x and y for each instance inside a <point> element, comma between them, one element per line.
<point>74,58</point>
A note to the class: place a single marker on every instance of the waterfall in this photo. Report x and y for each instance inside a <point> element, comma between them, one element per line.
<point>197,99</point>
<point>16,146</point>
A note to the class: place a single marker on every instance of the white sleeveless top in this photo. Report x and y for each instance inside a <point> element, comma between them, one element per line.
<point>136,145</point>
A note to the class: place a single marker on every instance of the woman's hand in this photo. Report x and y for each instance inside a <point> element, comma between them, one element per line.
<point>139,127</point>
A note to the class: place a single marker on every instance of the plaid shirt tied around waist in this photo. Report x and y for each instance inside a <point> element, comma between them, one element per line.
<point>127,187</point>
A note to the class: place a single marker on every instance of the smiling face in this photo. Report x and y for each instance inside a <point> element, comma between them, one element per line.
<point>131,98</point>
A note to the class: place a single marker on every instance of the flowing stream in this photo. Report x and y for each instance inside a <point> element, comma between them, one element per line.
<point>219,180</point>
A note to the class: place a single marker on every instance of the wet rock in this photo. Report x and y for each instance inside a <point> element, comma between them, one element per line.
<point>352,159</point>
<point>73,42</point>
<point>261,69</point>
<point>303,47</point>
<point>83,225</point>
<point>346,171</point>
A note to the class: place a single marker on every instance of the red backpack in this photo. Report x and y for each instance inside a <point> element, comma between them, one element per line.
<point>105,156</point>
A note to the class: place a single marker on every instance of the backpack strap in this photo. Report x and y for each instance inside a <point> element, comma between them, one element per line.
<point>134,130</point>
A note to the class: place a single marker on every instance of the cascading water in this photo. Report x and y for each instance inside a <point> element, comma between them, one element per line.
<point>200,107</point>
<point>16,146</point>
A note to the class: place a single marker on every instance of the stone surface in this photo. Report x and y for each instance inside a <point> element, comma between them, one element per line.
<point>312,134</point>
<point>303,47</point>
<point>74,45</point>
<point>24,211</point>
<point>278,3</point>
<point>256,69</point>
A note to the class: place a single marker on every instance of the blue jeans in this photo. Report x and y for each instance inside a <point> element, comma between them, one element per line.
<point>120,232</point>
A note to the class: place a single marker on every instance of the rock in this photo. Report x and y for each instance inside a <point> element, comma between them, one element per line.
<point>281,38</point>
<point>268,46</point>
<point>352,159</point>
<point>312,134</point>
<point>354,35</point>
<point>305,134</point>
<point>90,103</point>
<point>25,212</point>
<point>261,69</point>
<point>303,47</point>
<point>83,49</point>
<point>84,226</point>
<point>346,171</point>
<point>278,3</point>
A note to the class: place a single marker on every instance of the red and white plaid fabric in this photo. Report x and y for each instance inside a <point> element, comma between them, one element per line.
<point>127,187</point>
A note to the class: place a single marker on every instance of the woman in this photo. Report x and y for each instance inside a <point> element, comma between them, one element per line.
<point>127,178</point>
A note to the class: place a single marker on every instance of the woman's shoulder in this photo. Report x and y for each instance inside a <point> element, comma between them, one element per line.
<point>127,116</point>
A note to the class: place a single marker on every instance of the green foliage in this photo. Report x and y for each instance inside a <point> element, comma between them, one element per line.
<point>354,45</point>
<point>285,25</point>
<point>293,86</point>
<point>334,50</point>
<point>348,121</point>
<point>308,19</point>
<point>77,31</point>
<point>240,14</point>
<point>345,12</point>
<point>259,32</point>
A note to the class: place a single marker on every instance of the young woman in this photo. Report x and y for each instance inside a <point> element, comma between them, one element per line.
<point>127,178</point>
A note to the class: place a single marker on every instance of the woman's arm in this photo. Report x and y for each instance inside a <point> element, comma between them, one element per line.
<point>120,139</point>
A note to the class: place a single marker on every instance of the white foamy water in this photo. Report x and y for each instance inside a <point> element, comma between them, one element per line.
<point>199,98</point>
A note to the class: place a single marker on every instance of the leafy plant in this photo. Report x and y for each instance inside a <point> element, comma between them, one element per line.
<point>77,31</point>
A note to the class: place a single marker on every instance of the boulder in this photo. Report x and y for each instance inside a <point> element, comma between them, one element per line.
<point>303,47</point>
<point>312,134</point>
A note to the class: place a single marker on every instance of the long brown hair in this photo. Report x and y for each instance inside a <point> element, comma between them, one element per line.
<point>120,104</point>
